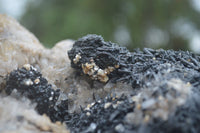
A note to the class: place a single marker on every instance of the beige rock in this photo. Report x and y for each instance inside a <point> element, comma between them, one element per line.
<point>12,31</point>
<point>18,116</point>
<point>17,45</point>
<point>55,64</point>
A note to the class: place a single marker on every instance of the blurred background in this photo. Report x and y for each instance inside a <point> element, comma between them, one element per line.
<point>168,24</point>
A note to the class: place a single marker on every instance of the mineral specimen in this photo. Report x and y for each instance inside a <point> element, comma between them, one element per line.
<point>102,61</point>
<point>162,94</point>
<point>166,81</point>
<point>97,58</point>
<point>30,83</point>
<point>154,110</point>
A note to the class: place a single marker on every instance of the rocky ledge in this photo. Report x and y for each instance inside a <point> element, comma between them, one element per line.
<point>91,85</point>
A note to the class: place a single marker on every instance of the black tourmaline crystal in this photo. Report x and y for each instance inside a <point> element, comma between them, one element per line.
<point>103,53</point>
<point>30,83</point>
<point>105,56</point>
<point>138,68</point>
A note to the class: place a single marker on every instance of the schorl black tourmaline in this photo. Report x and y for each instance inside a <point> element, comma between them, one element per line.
<point>30,83</point>
<point>103,53</point>
<point>138,67</point>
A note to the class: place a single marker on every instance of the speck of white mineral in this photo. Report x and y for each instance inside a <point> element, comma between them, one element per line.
<point>50,98</point>
<point>88,114</point>
<point>119,128</point>
<point>37,81</point>
<point>92,104</point>
<point>107,105</point>
<point>77,58</point>
<point>28,82</point>
<point>33,68</point>
<point>117,104</point>
<point>27,67</point>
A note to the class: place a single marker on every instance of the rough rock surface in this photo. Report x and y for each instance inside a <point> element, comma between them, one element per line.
<point>109,89</point>
<point>17,115</point>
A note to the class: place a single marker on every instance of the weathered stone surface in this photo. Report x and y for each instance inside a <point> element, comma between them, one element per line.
<point>19,116</point>
<point>17,45</point>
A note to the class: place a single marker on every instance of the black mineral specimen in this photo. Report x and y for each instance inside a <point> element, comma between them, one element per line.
<point>167,99</point>
<point>168,96</point>
<point>93,47</point>
<point>109,115</point>
<point>97,58</point>
<point>93,56</point>
<point>101,117</point>
<point>30,83</point>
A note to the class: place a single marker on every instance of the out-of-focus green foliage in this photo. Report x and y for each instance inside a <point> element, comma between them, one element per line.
<point>55,20</point>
